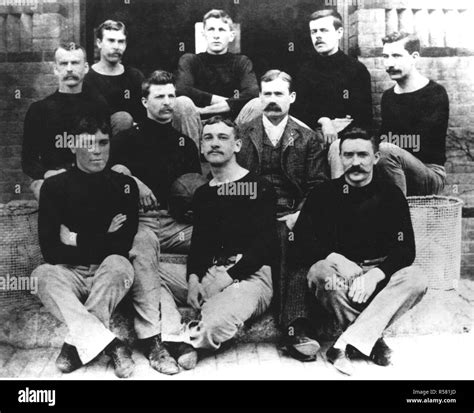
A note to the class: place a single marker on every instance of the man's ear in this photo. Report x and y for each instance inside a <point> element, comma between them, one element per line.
<point>377,157</point>
<point>86,67</point>
<point>292,97</point>
<point>144,101</point>
<point>415,55</point>
<point>340,32</point>
<point>99,43</point>
<point>232,36</point>
<point>238,145</point>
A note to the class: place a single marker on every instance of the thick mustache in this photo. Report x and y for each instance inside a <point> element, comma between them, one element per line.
<point>273,106</point>
<point>71,77</point>
<point>355,169</point>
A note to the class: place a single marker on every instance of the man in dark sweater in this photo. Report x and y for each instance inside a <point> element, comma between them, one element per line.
<point>228,276</point>
<point>415,116</point>
<point>156,154</point>
<point>217,81</point>
<point>355,234</point>
<point>121,85</point>
<point>333,89</point>
<point>88,218</point>
<point>46,132</point>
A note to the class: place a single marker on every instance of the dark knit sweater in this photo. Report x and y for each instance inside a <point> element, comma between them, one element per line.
<point>360,223</point>
<point>422,113</point>
<point>114,89</point>
<point>333,86</point>
<point>230,75</point>
<point>226,225</point>
<point>157,154</point>
<point>86,204</point>
<point>46,119</point>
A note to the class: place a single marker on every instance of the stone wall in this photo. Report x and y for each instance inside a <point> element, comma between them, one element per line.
<point>30,30</point>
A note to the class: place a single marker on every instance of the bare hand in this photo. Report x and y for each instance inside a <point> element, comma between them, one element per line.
<point>53,172</point>
<point>290,219</point>
<point>328,130</point>
<point>66,236</point>
<point>117,222</point>
<point>195,293</point>
<point>147,198</point>
<point>363,287</point>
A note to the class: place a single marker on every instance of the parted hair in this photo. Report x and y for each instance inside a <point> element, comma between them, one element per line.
<point>222,119</point>
<point>277,74</point>
<point>410,41</point>
<point>158,77</point>
<point>110,25</point>
<point>70,46</point>
<point>319,14</point>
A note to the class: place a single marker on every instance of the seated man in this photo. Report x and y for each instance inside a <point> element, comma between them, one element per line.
<point>217,81</point>
<point>289,156</point>
<point>88,217</point>
<point>46,133</point>
<point>229,276</point>
<point>156,154</point>
<point>355,234</point>
<point>415,116</point>
<point>120,85</point>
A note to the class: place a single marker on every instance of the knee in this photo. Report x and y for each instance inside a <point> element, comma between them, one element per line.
<point>185,106</point>
<point>219,327</point>
<point>144,244</point>
<point>119,269</point>
<point>415,280</point>
<point>45,274</point>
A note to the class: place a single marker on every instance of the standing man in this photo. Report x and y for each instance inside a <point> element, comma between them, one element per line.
<point>88,217</point>
<point>156,154</point>
<point>355,234</point>
<point>229,276</point>
<point>47,135</point>
<point>121,85</point>
<point>287,155</point>
<point>217,81</point>
<point>415,116</point>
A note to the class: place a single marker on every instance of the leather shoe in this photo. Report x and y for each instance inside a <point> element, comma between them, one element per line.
<point>381,353</point>
<point>160,358</point>
<point>68,359</point>
<point>298,344</point>
<point>340,360</point>
<point>184,353</point>
<point>121,356</point>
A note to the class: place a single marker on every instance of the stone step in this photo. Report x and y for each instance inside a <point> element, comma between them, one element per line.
<point>25,323</point>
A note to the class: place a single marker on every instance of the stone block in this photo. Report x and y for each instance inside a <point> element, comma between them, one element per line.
<point>26,32</point>
<point>13,33</point>
<point>49,44</point>
<point>47,25</point>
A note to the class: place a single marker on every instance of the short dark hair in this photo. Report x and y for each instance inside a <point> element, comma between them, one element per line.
<point>277,74</point>
<point>218,14</point>
<point>410,41</point>
<point>319,14</point>
<point>360,133</point>
<point>158,77</point>
<point>110,25</point>
<point>70,47</point>
<point>222,119</point>
<point>90,122</point>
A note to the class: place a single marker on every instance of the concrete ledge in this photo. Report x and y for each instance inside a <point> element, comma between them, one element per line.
<point>27,324</point>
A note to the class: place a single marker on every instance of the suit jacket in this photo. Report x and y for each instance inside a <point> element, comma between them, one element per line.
<point>303,161</point>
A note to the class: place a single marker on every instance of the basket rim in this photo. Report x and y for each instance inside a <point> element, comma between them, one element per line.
<point>454,201</point>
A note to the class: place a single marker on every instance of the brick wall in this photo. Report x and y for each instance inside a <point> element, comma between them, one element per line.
<point>28,37</point>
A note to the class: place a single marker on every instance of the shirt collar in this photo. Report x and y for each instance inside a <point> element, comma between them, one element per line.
<point>274,132</point>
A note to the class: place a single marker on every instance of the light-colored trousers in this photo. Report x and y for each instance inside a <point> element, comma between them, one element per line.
<point>363,324</point>
<point>84,298</point>
<point>157,231</point>
<point>221,315</point>
<point>400,167</point>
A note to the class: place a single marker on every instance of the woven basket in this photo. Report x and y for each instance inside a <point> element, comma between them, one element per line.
<point>20,253</point>
<point>437,226</point>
